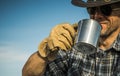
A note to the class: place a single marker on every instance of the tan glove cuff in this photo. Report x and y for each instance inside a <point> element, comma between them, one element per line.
<point>45,52</point>
<point>43,49</point>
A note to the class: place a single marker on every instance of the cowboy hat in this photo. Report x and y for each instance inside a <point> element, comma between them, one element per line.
<point>92,3</point>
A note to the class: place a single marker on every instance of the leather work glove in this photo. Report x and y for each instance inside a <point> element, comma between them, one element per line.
<point>61,37</point>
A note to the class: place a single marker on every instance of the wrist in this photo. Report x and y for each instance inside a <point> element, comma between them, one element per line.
<point>45,59</point>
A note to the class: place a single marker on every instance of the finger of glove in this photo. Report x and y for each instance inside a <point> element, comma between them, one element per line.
<point>54,43</point>
<point>62,39</point>
<point>65,41</point>
<point>64,29</point>
<point>69,28</point>
<point>63,35</point>
<point>42,48</point>
<point>51,44</point>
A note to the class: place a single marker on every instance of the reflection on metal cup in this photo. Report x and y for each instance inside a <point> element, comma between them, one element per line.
<point>88,36</point>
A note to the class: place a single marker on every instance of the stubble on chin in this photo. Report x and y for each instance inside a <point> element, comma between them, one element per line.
<point>107,33</point>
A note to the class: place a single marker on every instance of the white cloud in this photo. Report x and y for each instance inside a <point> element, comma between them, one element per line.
<point>13,56</point>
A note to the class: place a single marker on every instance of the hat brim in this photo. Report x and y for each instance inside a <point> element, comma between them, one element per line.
<point>81,3</point>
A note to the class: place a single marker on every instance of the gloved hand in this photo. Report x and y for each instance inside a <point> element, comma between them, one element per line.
<point>61,37</point>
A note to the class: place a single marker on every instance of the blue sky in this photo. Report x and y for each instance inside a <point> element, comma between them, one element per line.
<point>25,23</point>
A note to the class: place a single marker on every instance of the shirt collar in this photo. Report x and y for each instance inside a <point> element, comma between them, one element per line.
<point>115,46</point>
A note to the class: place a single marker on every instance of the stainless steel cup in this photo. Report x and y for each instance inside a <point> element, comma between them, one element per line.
<point>88,36</point>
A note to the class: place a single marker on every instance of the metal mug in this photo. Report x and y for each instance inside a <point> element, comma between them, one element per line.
<point>88,36</point>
